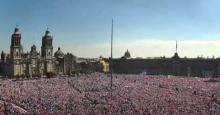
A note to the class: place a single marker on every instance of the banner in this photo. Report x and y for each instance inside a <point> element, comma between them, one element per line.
<point>208,74</point>
<point>144,72</point>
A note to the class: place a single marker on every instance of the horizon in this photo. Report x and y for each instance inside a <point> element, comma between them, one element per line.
<point>146,28</point>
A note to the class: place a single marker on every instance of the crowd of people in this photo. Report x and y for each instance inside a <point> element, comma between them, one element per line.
<point>92,95</point>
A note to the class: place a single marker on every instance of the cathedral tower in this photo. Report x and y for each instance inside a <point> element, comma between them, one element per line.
<point>47,45</point>
<point>47,51</point>
<point>15,53</point>
<point>15,48</point>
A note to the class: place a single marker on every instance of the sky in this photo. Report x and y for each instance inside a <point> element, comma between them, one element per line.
<point>146,28</point>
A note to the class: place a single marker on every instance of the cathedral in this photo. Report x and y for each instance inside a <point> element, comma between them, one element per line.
<point>34,63</point>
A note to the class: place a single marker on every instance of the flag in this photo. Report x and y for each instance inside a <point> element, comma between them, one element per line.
<point>208,74</point>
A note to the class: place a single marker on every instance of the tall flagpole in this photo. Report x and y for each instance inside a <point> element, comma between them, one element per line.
<point>176,46</point>
<point>111,58</point>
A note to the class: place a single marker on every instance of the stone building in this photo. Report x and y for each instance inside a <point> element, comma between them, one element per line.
<point>65,63</point>
<point>59,55</point>
<point>17,62</point>
<point>69,63</point>
<point>194,67</point>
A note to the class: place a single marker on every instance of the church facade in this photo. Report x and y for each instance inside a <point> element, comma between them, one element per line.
<point>33,63</point>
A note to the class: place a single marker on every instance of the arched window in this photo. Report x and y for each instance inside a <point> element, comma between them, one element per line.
<point>14,41</point>
<point>17,54</point>
<point>49,53</point>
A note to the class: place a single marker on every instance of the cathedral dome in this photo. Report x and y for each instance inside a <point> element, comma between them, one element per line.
<point>58,53</point>
<point>100,57</point>
<point>33,46</point>
<point>127,54</point>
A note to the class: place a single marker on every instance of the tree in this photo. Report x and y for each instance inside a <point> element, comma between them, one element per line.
<point>73,72</point>
<point>54,74</point>
<point>17,76</point>
<point>34,75</point>
<point>39,75</point>
<point>23,76</point>
<point>28,76</point>
<point>49,74</point>
<point>76,71</point>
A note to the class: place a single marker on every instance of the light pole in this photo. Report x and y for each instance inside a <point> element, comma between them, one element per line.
<point>111,58</point>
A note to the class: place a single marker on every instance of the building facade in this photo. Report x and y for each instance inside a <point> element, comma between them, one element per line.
<point>193,67</point>
<point>18,63</point>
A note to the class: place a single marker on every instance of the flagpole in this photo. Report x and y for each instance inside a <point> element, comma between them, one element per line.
<point>176,46</point>
<point>111,58</point>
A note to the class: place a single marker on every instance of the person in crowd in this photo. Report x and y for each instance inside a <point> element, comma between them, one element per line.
<point>92,94</point>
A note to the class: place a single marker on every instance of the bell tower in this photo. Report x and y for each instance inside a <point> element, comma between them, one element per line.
<point>15,53</point>
<point>47,45</point>
<point>47,51</point>
<point>15,48</point>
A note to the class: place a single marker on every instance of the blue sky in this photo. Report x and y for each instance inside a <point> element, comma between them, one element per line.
<point>83,26</point>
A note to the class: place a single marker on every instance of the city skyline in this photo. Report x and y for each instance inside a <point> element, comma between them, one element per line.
<point>144,27</point>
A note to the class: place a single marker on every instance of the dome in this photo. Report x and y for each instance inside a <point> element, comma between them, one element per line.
<point>100,57</point>
<point>127,54</point>
<point>176,56</point>
<point>33,46</point>
<point>58,53</point>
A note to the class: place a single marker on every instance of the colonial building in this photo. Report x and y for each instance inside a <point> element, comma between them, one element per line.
<point>70,63</point>
<point>194,67</point>
<point>17,62</point>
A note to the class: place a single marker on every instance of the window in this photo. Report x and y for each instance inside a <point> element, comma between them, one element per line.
<point>49,54</point>
<point>15,41</point>
<point>16,53</point>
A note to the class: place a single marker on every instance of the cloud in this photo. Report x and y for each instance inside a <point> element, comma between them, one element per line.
<point>148,47</point>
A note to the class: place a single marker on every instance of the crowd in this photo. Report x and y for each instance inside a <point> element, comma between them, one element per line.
<point>92,95</point>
